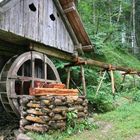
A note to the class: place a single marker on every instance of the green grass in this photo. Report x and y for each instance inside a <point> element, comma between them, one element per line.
<point>124,122</point>
<point>120,57</point>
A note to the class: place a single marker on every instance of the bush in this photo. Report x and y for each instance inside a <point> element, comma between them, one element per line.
<point>102,104</point>
<point>136,96</point>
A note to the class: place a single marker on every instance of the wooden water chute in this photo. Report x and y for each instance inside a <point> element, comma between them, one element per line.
<point>106,68</point>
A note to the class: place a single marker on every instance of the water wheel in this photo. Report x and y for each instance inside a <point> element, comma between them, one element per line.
<point>20,73</point>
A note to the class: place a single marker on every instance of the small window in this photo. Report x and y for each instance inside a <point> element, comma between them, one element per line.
<point>52,17</point>
<point>32,7</point>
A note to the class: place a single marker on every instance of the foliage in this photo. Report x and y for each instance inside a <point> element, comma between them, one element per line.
<point>71,121</point>
<point>102,102</point>
<point>74,126</point>
<point>136,96</point>
<point>121,124</point>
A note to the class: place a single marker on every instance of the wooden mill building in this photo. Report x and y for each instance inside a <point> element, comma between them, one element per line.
<point>30,30</point>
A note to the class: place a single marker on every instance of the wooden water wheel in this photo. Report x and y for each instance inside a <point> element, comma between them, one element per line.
<point>20,73</point>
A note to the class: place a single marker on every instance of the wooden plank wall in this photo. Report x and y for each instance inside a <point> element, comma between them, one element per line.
<point>38,26</point>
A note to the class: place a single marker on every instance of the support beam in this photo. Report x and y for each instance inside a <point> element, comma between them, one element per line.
<point>69,9</point>
<point>99,86</point>
<point>112,82</point>
<point>51,51</point>
<point>83,80</point>
<point>68,78</point>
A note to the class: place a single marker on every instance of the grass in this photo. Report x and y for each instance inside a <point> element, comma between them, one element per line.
<point>120,124</point>
<point>124,124</point>
<point>125,120</point>
<point>120,57</point>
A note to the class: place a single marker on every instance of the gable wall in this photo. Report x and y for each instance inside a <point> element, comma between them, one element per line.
<point>38,26</point>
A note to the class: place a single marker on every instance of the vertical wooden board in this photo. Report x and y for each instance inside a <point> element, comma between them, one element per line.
<point>70,44</point>
<point>54,25</point>
<point>57,34</point>
<point>25,17</point>
<point>46,26</point>
<point>11,19</point>
<point>57,29</point>
<point>33,21</point>
<point>67,40</point>
<point>6,25</point>
<point>45,21</point>
<point>40,19</point>
<point>1,20</point>
<point>71,49</point>
<point>63,35</point>
<point>16,17</point>
<point>21,16</point>
<point>50,23</point>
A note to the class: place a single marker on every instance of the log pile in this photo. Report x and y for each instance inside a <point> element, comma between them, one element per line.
<point>44,113</point>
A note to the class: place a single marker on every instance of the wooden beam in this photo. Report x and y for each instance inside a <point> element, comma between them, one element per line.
<point>51,51</point>
<point>107,66</point>
<point>69,9</point>
<point>99,86</point>
<point>87,48</point>
<point>10,49</point>
<point>76,23</point>
<point>83,80</point>
<point>68,77</point>
<point>112,82</point>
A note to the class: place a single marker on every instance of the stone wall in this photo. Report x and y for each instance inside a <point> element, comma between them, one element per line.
<point>44,113</point>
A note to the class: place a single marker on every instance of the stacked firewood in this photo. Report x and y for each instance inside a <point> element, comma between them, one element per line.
<point>44,113</point>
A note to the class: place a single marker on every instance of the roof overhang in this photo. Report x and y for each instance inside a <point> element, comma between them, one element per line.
<point>72,17</point>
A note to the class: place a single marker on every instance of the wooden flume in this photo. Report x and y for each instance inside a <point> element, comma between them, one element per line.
<point>84,61</point>
<point>79,61</point>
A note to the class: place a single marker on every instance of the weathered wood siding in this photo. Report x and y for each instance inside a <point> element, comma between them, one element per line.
<point>18,18</point>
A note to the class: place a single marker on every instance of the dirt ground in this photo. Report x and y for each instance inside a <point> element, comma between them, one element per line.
<point>7,126</point>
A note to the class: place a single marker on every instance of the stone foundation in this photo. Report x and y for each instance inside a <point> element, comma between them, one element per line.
<point>44,113</point>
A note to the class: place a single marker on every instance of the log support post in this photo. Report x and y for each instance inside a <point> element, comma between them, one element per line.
<point>68,77</point>
<point>123,80</point>
<point>101,81</point>
<point>112,82</point>
<point>83,80</point>
<point>134,81</point>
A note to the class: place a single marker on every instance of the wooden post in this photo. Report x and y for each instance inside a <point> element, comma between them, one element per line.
<point>33,69</point>
<point>112,82</point>
<point>99,86</point>
<point>134,82</point>
<point>124,76</point>
<point>83,80</point>
<point>68,78</point>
